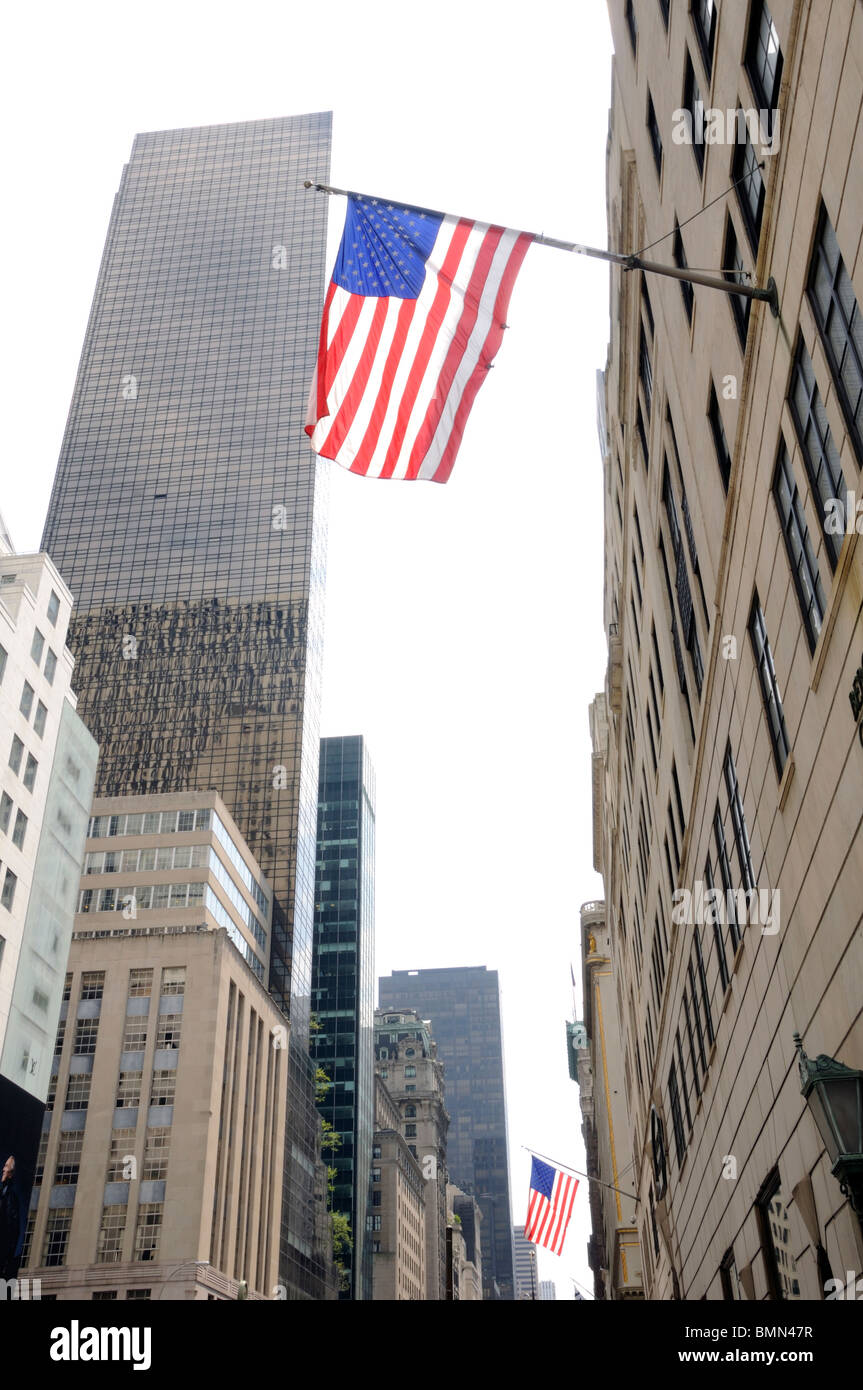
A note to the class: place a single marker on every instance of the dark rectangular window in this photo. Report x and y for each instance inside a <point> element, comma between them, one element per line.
<point>735,270</point>
<point>720,443</point>
<point>764,59</point>
<point>704,19</point>
<point>775,1222</point>
<point>684,1084</point>
<point>655,137</point>
<point>837,315</point>
<point>717,937</point>
<point>694,105</point>
<point>738,820</point>
<point>648,307</point>
<point>724,860</point>
<point>631,25</point>
<point>642,436</point>
<point>801,556</point>
<point>644,371</point>
<point>750,185</point>
<point>679,258</point>
<point>53,608</point>
<point>676,1114</point>
<point>26,702</point>
<point>769,685</point>
<point>820,454</point>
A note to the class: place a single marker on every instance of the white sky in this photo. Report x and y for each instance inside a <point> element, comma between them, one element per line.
<point>464,622</point>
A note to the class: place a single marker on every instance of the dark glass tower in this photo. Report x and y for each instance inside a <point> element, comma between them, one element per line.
<point>187,516</point>
<point>463,1005</point>
<point>343,982</point>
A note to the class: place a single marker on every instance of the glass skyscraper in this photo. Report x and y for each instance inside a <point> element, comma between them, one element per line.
<point>463,1005</point>
<point>188,518</point>
<point>343,982</point>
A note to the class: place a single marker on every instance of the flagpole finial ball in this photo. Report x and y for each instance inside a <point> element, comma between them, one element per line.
<point>307,183</point>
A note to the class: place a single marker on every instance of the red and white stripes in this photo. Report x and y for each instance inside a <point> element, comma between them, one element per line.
<point>547,1220</point>
<point>396,378</point>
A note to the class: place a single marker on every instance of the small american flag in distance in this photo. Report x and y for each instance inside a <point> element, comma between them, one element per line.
<point>549,1206</point>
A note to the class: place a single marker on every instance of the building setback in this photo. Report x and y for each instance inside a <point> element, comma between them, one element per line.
<point>188,517</point>
<point>463,1006</point>
<point>727,793</point>
<point>343,983</point>
<point>160,1169</point>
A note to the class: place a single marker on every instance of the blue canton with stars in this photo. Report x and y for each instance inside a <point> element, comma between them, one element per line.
<point>542,1177</point>
<point>384,249</point>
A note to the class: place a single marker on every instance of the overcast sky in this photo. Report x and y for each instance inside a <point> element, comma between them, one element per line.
<point>464,623</point>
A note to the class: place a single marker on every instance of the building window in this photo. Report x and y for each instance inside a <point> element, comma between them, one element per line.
<point>704,19</point>
<point>140,983</point>
<point>86,1033</point>
<point>30,770</point>
<point>92,984</point>
<point>53,608</point>
<point>16,753</point>
<point>645,372</point>
<point>163,1087</point>
<point>174,980</point>
<point>410,1071</point>
<point>138,1294</point>
<point>679,258</point>
<point>38,646</point>
<point>27,695</point>
<point>411,1087</point>
<point>720,443</point>
<point>735,270</point>
<point>769,685</point>
<point>676,1114</point>
<point>738,821</point>
<point>376,1173</point>
<point>764,60</point>
<point>410,1111</point>
<point>135,1035</point>
<point>693,103</point>
<point>128,1090</point>
<point>109,1249</point>
<point>642,436</point>
<point>57,1236</point>
<point>801,556</point>
<point>41,717</point>
<point>148,1230</point>
<point>837,315</point>
<point>3,657</point>
<point>104,1295</point>
<point>121,1151</point>
<point>68,1156</point>
<point>169,1031</point>
<point>376,1151</point>
<point>631,25</point>
<point>157,1153</point>
<point>410,1131</point>
<point>78,1091</point>
<point>777,1240</point>
<point>20,829</point>
<point>820,455</point>
<point>50,666</point>
<point>655,137</point>
<point>728,1277</point>
<point>7,897</point>
<point>750,185</point>
<point>376,1198</point>
<point>5,812</point>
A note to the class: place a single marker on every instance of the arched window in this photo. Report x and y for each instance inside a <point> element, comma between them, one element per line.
<point>410,1111</point>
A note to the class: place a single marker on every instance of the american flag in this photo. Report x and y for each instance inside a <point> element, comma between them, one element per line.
<point>549,1205</point>
<point>413,317</point>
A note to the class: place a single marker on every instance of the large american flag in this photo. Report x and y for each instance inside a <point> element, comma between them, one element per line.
<point>413,317</point>
<point>549,1205</point>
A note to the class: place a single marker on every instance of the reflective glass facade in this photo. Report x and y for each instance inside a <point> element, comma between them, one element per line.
<point>463,1006</point>
<point>343,989</point>
<point>188,517</point>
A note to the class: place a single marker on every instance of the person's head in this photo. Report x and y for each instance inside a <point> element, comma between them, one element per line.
<point>8,1168</point>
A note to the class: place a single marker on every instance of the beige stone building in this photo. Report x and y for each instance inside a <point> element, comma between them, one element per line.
<point>406,1059</point>
<point>614,1251</point>
<point>727,790</point>
<point>397,1222</point>
<point>464,1246</point>
<point>160,1171</point>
